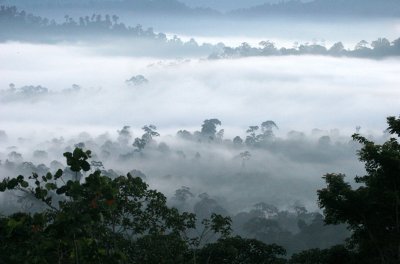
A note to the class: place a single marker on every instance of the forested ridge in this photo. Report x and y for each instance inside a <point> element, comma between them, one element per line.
<point>19,25</point>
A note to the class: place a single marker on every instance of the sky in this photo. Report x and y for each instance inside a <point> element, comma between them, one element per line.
<point>224,5</point>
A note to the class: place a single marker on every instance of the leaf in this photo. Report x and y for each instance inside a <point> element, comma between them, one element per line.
<point>58,174</point>
<point>3,186</point>
<point>85,166</point>
<point>24,184</point>
<point>62,189</point>
<point>50,186</point>
<point>12,184</point>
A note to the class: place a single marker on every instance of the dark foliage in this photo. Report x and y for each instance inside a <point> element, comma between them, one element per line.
<point>372,210</point>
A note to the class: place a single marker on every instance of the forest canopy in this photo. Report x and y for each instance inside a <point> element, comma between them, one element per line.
<point>19,25</point>
<point>82,216</point>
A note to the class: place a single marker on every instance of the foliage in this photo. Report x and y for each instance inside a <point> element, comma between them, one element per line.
<point>209,128</point>
<point>334,255</point>
<point>379,48</point>
<point>102,220</point>
<point>372,210</point>
<point>28,27</point>
<point>239,250</point>
<point>254,139</point>
<point>95,27</point>
<point>147,137</point>
<point>117,219</point>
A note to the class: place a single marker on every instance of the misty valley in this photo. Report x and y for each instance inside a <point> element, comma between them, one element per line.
<point>137,131</point>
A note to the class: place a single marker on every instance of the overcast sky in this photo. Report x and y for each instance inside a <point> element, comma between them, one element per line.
<point>226,5</point>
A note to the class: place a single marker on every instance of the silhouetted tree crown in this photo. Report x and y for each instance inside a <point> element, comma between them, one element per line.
<point>371,210</point>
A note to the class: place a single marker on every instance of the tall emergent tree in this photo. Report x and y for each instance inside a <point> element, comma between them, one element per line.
<point>209,128</point>
<point>372,210</point>
<point>147,137</point>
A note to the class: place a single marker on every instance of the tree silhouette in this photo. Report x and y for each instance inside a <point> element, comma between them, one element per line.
<point>147,137</point>
<point>209,128</point>
<point>372,210</point>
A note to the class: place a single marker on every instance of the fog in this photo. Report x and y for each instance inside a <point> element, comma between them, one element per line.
<point>239,92</point>
<point>88,91</point>
<point>231,107</point>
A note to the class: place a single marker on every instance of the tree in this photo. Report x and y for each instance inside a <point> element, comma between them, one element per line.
<point>237,141</point>
<point>337,49</point>
<point>266,133</point>
<point>97,220</point>
<point>77,160</point>
<point>183,194</point>
<point>244,49</point>
<point>268,47</point>
<point>381,47</point>
<point>209,128</point>
<point>137,80</point>
<point>220,135</point>
<point>251,139</point>
<point>124,135</point>
<point>147,137</point>
<point>267,129</point>
<point>362,45</point>
<point>184,134</point>
<point>237,250</point>
<point>396,45</point>
<point>381,43</point>
<point>245,156</point>
<point>115,19</point>
<point>372,210</point>
<point>334,255</point>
